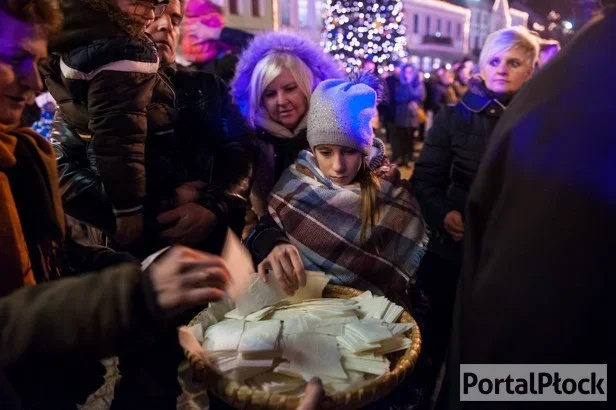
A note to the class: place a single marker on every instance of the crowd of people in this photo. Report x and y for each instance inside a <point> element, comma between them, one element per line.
<point>265,135</point>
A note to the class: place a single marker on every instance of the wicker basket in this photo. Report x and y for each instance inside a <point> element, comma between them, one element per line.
<point>245,397</point>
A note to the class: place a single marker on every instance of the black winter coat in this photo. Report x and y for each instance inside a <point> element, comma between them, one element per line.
<point>209,144</point>
<point>450,159</point>
<point>537,284</point>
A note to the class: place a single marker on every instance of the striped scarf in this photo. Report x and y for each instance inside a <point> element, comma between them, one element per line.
<point>323,221</point>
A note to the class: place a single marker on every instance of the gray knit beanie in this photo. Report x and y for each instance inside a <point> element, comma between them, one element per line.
<point>341,111</point>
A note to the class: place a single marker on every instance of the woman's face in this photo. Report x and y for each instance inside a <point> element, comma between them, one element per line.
<point>339,164</point>
<point>284,101</point>
<point>507,71</point>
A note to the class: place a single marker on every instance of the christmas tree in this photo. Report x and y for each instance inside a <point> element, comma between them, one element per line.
<point>360,30</point>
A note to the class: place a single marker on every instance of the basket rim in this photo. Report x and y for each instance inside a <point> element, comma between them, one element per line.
<point>239,394</point>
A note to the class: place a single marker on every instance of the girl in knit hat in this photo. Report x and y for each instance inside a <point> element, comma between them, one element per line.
<point>344,209</point>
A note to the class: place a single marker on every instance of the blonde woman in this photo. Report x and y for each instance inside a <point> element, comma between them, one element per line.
<point>274,79</point>
<point>451,156</point>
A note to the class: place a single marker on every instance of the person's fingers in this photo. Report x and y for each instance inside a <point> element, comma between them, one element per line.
<point>288,271</point>
<point>212,277</point>
<point>181,228</point>
<point>280,275</point>
<point>169,216</point>
<point>262,270</point>
<point>298,267</point>
<point>189,259</point>
<point>458,222</point>
<point>313,395</point>
<point>453,228</point>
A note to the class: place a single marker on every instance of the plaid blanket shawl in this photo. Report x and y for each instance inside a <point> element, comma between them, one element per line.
<point>323,221</point>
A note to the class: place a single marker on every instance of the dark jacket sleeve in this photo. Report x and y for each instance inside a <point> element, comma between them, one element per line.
<point>117,103</point>
<point>94,315</point>
<point>265,237</point>
<point>83,195</point>
<point>233,166</point>
<point>431,175</point>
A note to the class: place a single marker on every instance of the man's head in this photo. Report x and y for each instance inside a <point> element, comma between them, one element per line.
<point>25,26</point>
<point>165,30</point>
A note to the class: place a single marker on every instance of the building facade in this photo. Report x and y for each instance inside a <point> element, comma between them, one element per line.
<point>437,32</point>
<point>250,15</point>
<point>303,16</point>
<point>488,16</point>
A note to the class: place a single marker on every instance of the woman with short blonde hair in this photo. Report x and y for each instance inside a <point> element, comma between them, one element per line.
<point>509,38</point>
<point>450,159</point>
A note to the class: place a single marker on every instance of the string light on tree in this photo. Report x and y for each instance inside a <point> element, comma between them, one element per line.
<point>360,30</point>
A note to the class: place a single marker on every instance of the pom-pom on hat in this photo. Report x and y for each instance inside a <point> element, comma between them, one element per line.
<point>341,112</point>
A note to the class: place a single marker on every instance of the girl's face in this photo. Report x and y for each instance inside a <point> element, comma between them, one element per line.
<point>339,164</point>
<point>284,101</point>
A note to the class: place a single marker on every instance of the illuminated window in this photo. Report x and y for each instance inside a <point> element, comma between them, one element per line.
<point>319,10</point>
<point>285,12</point>
<point>302,12</point>
<point>427,67</point>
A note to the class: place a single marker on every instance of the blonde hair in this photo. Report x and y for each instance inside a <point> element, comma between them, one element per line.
<point>369,205</point>
<point>508,38</point>
<point>266,71</point>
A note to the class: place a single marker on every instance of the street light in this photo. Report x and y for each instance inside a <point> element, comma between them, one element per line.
<point>567,25</point>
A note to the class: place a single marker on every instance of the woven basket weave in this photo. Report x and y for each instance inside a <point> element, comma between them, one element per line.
<point>242,396</point>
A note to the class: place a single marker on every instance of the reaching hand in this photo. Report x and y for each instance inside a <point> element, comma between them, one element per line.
<point>184,278</point>
<point>453,225</point>
<point>189,192</point>
<point>193,223</point>
<point>287,265</point>
<point>313,396</point>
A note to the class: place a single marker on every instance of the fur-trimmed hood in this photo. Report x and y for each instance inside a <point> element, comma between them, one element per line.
<point>323,66</point>
<point>89,20</point>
